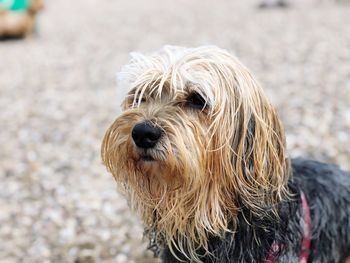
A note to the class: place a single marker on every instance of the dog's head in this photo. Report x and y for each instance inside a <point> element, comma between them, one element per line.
<point>196,141</point>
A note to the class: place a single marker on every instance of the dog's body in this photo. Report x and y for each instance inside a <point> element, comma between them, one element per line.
<point>200,153</point>
<point>327,189</point>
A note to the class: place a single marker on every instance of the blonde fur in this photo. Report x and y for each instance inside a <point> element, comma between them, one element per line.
<point>209,162</point>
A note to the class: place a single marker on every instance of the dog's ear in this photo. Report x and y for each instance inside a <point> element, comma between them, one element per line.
<point>246,156</point>
<point>259,157</point>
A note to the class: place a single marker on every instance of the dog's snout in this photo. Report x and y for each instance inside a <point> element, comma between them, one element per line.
<point>146,135</point>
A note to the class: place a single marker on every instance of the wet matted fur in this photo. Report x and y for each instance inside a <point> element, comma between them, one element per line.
<point>217,186</point>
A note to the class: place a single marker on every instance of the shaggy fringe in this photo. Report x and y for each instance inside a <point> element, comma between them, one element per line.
<point>211,162</point>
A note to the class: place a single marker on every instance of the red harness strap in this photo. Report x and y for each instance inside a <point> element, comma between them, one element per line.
<point>306,243</point>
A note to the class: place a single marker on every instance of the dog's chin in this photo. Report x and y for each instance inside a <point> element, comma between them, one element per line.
<point>148,155</point>
<point>147,158</point>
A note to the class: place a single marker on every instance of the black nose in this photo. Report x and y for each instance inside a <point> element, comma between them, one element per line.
<point>146,135</point>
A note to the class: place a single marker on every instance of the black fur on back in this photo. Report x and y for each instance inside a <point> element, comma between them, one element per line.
<point>327,189</point>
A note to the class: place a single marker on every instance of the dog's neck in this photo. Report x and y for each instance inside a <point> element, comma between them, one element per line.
<point>252,233</point>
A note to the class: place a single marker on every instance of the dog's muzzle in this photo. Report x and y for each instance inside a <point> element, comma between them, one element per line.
<point>146,135</point>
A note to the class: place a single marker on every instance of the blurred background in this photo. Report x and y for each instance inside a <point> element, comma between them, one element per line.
<point>58,96</point>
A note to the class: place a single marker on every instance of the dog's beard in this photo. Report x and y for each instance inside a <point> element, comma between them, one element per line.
<point>172,186</point>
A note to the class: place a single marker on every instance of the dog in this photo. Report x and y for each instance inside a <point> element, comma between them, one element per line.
<point>200,154</point>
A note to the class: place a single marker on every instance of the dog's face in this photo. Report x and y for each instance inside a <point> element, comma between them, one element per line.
<point>196,140</point>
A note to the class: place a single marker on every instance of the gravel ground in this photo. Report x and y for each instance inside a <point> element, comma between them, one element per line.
<point>58,96</point>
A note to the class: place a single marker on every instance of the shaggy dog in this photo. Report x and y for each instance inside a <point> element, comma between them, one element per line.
<point>200,154</point>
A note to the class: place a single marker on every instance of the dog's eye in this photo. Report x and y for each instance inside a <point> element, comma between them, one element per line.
<point>196,101</point>
<point>134,101</point>
<point>140,100</point>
